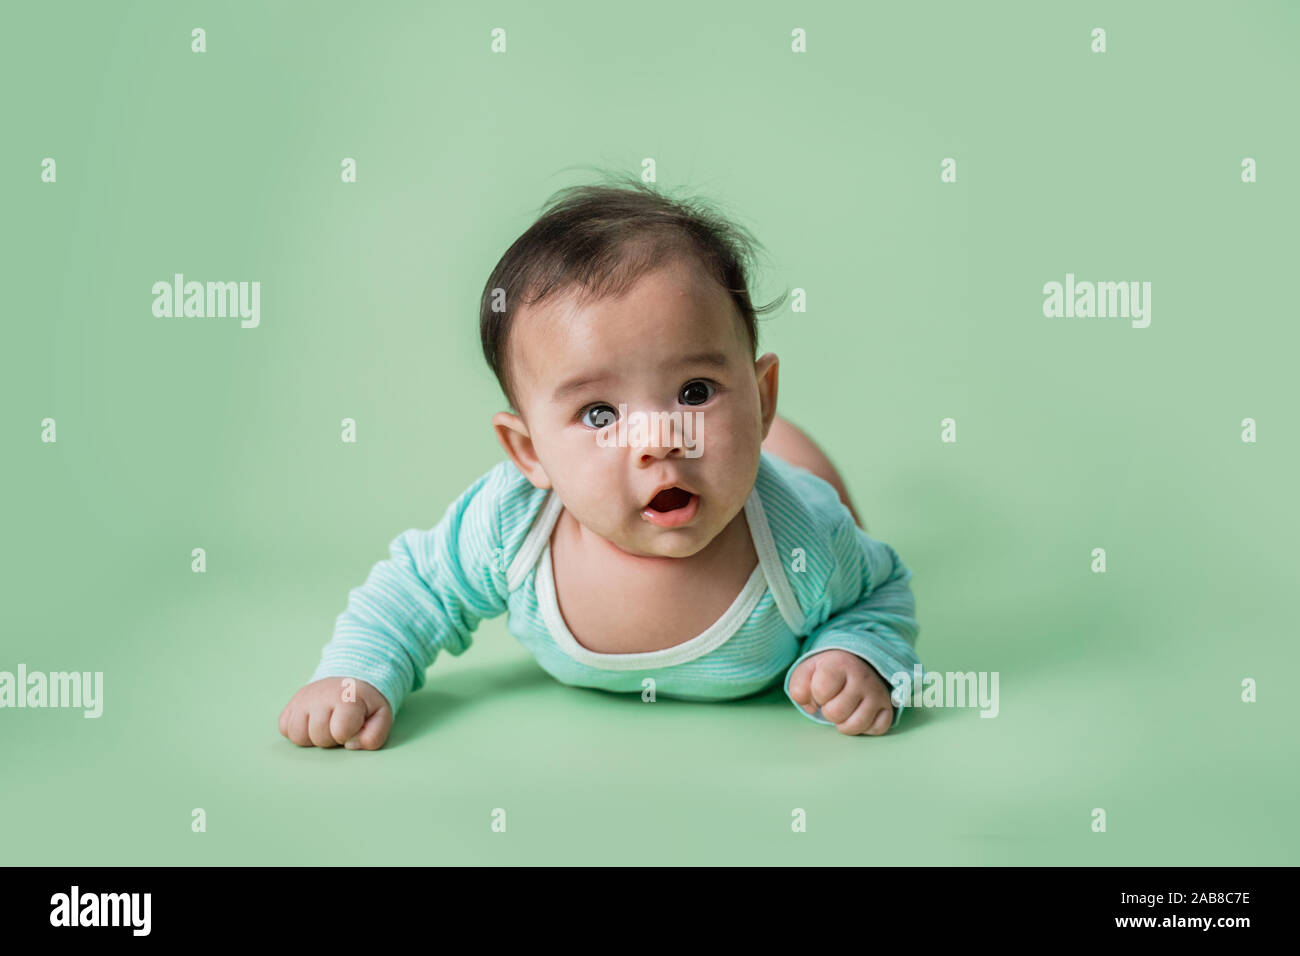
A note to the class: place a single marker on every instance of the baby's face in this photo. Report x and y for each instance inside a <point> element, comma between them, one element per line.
<point>674,343</point>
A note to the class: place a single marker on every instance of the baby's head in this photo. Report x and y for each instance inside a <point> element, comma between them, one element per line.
<point>617,300</point>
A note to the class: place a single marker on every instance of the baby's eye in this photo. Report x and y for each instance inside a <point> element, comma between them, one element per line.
<point>604,415</point>
<point>699,389</point>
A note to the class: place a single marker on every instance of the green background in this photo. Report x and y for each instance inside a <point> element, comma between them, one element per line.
<point>1118,690</point>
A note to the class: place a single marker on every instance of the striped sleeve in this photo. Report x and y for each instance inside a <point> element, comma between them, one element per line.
<point>428,596</point>
<point>874,615</point>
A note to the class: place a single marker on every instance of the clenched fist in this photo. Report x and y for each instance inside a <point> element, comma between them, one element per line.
<point>851,694</point>
<point>320,715</point>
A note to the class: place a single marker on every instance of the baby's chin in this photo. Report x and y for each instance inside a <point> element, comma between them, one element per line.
<point>681,546</point>
<point>662,542</point>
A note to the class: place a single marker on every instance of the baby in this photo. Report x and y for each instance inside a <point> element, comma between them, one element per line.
<point>698,560</point>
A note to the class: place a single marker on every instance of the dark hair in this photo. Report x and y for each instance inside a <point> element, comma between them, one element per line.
<point>601,239</point>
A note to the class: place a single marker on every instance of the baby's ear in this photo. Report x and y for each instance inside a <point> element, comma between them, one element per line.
<point>513,435</point>
<point>766,376</point>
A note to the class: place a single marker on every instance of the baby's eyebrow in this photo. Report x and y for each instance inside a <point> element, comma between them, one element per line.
<point>578,383</point>
<point>711,358</point>
<point>714,359</point>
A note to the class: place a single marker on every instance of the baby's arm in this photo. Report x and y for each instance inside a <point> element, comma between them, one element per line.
<point>872,629</point>
<point>429,596</point>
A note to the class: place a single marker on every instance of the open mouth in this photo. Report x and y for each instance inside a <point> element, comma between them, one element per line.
<point>670,499</point>
<point>672,508</point>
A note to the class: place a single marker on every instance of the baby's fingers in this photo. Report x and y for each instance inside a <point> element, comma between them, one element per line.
<point>827,683</point>
<point>347,720</point>
<point>374,732</point>
<point>318,727</point>
<point>801,685</point>
<point>870,717</point>
<point>295,726</point>
<point>844,706</point>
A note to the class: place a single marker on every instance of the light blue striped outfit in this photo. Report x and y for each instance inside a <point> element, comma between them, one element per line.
<point>821,583</point>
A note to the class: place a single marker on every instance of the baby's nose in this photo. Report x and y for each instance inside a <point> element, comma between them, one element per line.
<point>652,452</point>
<point>663,441</point>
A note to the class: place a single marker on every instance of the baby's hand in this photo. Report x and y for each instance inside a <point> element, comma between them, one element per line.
<point>318,715</point>
<point>850,693</point>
